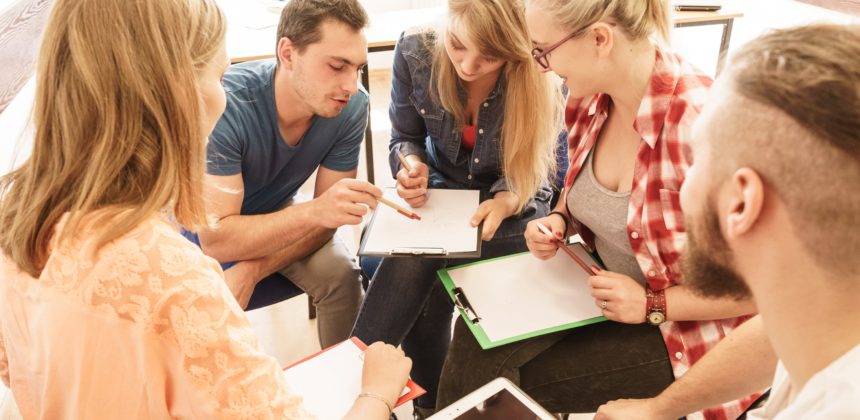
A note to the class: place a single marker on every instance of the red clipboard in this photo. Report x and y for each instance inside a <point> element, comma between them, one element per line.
<point>414,392</point>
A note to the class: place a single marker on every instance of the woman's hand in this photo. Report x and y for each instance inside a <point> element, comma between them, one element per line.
<point>493,211</point>
<point>621,298</point>
<point>541,245</point>
<point>386,370</point>
<point>412,185</point>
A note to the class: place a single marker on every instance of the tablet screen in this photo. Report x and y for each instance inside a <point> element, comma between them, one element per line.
<point>502,405</point>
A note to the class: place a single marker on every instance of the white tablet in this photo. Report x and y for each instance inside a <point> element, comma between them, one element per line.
<point>499,399</point>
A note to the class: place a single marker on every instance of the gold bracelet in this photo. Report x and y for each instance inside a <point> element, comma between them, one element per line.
<point>374,396</point>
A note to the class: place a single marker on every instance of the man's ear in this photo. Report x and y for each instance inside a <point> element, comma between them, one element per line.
<point>603,38</point>
<point>746,196</point>
<point>286,52</point>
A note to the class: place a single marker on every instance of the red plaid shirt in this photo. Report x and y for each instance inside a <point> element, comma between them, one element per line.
<point>655,225</point>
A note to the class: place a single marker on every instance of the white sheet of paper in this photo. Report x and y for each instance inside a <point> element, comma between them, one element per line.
<point>522,294</point>
<point>444,223</point>
<point>329,382</point>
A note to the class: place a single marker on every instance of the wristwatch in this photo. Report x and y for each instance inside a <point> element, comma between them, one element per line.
<point>655,306</point>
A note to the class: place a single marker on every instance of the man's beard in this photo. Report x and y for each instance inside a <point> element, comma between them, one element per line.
<point>706,261</point>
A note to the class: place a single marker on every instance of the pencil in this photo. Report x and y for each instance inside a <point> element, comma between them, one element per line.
<point>406,165</point>
<point>408,213</point>
<point>404,162</point>
<point>564,248</point>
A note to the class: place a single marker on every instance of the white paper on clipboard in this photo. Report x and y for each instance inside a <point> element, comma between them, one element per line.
<point>444,225</point>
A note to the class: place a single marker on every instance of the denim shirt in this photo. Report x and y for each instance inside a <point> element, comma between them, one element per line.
<point>420,126</point>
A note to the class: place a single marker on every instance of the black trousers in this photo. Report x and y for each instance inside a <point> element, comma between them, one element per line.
<point>572,371</point>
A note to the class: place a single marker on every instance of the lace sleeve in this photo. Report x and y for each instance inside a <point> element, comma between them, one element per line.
<point>221,355</point>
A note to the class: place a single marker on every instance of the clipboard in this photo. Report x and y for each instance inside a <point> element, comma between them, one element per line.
<point>516,297</point>
<point>329,392</point>
<point>443,232</point>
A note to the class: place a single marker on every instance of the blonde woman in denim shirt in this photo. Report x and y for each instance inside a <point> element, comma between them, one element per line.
<point>469,110</point>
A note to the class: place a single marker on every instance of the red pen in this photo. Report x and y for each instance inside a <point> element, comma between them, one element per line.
<point>564,248</point>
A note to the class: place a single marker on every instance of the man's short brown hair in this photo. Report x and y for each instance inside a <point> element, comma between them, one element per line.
<point>301,19</point>
<point>800,130</point>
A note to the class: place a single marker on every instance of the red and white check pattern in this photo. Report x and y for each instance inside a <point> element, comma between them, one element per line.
<point>655,225</point>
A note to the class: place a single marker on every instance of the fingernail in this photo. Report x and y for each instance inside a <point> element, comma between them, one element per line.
<point>595,268</point>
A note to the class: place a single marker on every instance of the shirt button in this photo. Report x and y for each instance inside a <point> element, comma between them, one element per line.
<point>634,235</point>
<point>477,160</point>
<point>480,131</point>
<point>679,355</point>
<point>422,111</point>
<point>651,273</point>
<point>469,176</point>
<point>486,104</point>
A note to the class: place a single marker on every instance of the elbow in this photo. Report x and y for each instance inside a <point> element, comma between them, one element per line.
<point>213,245</point>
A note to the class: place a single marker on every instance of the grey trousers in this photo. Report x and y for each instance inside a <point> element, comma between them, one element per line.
<point>330,275</point>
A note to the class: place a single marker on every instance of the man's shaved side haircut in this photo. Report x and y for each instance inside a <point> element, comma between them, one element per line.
<point>798,92</point>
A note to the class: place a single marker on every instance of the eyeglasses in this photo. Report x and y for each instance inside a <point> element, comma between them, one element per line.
<point>540,55</point>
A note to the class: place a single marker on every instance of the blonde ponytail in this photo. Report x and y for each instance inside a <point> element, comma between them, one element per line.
<point>638,18</point>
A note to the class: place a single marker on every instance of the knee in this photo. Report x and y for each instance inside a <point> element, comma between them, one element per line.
<point>340,277</point>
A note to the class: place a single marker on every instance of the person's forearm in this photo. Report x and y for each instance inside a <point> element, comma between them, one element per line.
<point>684,305</point>
<point>261,267</point>
<point>740,365</point>
<point>240,238</point>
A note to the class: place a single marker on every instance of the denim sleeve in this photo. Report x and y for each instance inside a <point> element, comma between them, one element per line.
<point>407,125</point>
<point>344,155</point>
<point>501,184</point>
<point>224,150</point>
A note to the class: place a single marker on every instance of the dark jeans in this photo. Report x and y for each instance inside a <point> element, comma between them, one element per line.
<point>406,304</point>
<point>571,371</point>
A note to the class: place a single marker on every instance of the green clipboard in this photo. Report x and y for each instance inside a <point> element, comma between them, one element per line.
<point>472,319</point>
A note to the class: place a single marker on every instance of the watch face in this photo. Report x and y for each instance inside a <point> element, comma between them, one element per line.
<point>656,318</point>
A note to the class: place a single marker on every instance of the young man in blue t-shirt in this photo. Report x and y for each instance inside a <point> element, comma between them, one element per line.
<point>286,118</point>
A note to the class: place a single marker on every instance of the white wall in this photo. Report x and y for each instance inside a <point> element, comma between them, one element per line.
<point>700,45</point>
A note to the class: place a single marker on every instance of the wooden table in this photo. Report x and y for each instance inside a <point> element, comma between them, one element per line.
<point>252,36</point>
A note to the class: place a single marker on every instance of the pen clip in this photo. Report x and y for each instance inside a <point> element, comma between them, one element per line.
<point>418,251</point>
<point>463,303</point>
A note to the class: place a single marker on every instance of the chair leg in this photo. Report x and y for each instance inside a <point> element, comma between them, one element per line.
<point>312,310</point>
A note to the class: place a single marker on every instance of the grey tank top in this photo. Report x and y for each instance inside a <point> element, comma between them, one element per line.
<point>604,212</point>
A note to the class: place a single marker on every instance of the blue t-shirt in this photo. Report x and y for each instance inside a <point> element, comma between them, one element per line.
<point>246,139</point>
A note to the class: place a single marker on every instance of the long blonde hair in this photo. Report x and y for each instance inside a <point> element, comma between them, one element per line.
<point>532,116</point>
<point>639,18</point>
<point>119,122</point>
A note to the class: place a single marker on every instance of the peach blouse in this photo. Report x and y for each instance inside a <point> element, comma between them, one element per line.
<point>147,329</point>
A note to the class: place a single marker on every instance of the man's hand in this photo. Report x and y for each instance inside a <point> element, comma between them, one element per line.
<point>345,203</point>
<point>630,409</point>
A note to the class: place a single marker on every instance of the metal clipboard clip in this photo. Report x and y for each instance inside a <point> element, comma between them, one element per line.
<point>418,251</point>
<point>463,303</point>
